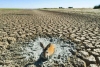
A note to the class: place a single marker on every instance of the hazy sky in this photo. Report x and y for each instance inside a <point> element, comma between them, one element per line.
<point>48,3</point>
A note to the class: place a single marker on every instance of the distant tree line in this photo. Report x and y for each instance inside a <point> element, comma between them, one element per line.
<point>97,7</point>
<point>60,7</point>
<point>57,8</point>
<point>63,8</point>
<point>70,7</point>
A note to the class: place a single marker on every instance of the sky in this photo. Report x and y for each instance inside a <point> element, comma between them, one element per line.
<point>48,3</point>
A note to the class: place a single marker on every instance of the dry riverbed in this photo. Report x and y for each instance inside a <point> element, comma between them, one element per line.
<point>19,27</point>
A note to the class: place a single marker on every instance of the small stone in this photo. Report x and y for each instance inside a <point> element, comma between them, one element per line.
<point>94,37</point>
<point>23,35</point>
<point>91,34</point>
<point>78,48</point>
<point>55,64</point>
<point>11,40</point>
<point>1,43</point>
<point>1,38</point>
<point>79,55</point>
<point>84,53</point>
<point>81,63</point>
<point>77,40</point>
<point>93,65</point>
<point>12,35</point>
<point>72,36</point>
<point>97,46</point>
<point>4,39</point>
<point>97,50</point>
<point>73,52</point>
<point>12,66</point>
<point>68,65</point>
<point>90,59</point>
<point>8,61</point>
<point>5,66</point>
<point>78,63</point>
<point>98,60</point>
<point>95,54</point>
<point>82,38</point>
<point>89,45</point>
<point>20,57</point>
<point>1,66</point>
<point>31,66</point>
<point>93,42</point>
<point>4,33</point>
<point>78,33</point>
<point>89,49</point>
<point>88,41</point>
<point>82,47</point>
<point>97,41</point>
<point>1,62</point>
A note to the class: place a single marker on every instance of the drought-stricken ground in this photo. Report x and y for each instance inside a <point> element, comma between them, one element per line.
<point>81,27</point>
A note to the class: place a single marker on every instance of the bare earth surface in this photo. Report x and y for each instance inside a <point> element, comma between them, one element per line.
<point>80,26</point>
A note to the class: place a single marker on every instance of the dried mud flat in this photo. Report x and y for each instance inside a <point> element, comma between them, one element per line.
<point>18,27</point>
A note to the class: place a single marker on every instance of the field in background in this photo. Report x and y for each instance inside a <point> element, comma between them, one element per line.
<point>78,10</point>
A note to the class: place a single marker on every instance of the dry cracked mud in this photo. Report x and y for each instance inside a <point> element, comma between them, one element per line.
<point>18,27</point>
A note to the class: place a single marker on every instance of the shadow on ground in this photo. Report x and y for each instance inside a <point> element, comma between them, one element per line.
<point>38,63</point>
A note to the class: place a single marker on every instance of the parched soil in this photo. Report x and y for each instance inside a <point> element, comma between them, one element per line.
<point>18,26</point>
